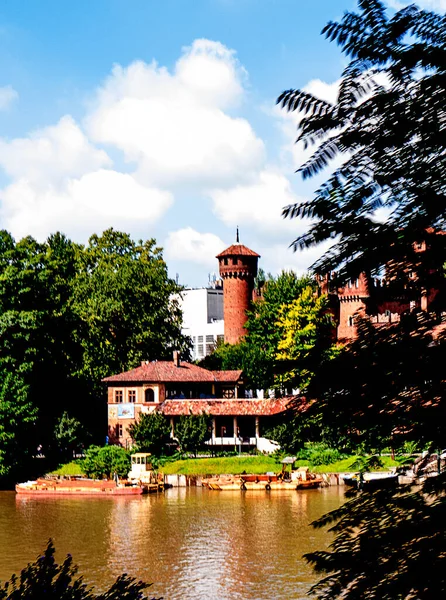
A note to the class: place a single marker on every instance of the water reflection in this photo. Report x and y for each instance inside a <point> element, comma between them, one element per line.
<point>193,543</point>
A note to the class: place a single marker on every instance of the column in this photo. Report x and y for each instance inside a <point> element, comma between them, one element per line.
<point>214,428</point>
<point>257,427</point>
<point>172,428</point>
<point>235,426</point>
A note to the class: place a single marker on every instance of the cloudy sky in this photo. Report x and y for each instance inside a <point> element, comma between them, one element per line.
<point>158,118</point>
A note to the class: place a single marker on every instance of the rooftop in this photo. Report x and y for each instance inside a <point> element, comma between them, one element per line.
<point>237,250</point>
<point>222,407</point>
<point>163,371</point>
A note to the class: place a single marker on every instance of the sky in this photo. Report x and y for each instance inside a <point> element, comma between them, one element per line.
<point>158,118</point>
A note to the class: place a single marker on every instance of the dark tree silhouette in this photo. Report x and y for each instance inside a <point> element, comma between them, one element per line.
<point>389,125</point>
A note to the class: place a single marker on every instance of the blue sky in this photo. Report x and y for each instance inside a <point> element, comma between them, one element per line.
<point>159,118</point>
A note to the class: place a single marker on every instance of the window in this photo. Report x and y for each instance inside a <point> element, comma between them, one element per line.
<point>119,431</point>
<point>200,339</point>
<point>209,339</point>
<point>200,350</point>
<point>225,261</point>
<point>149,395</point>
<point>351,321</point>
<point>132,395</point>
<point>118,396</point>
<point>234,261</point>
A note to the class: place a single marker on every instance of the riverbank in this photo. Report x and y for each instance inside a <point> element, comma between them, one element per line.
<point>235,465</point>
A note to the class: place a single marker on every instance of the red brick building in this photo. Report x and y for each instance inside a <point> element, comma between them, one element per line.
<point>385,300</point>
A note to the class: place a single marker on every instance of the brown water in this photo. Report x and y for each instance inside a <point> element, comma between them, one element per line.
<point>191,542</point>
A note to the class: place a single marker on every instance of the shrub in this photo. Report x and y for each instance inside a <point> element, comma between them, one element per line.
<point>319,453</point>
<point>104,462</point>
<point>46,579</point>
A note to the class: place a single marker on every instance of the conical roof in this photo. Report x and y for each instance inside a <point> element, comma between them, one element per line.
<point>237,250</point>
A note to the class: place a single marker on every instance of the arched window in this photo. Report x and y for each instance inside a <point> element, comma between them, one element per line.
<point>149,395</point>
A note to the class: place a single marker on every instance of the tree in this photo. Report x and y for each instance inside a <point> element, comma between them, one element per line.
<point>68,436</point>
<point>307,337</point>
<point>18,417</point>
<point>388,124</point>
<point>106,461</point>
<point>150,433</point>
<point>126,304</point>
<point>256,353</point>
<point>192,431</point>
<point>46,579</point>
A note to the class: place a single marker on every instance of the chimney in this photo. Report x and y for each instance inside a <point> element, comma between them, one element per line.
<point>176,358</point>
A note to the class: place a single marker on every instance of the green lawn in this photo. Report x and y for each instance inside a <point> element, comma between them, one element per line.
<point>217,466</point>
<point>233,465</point>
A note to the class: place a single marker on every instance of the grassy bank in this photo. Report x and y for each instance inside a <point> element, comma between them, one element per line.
<point>232,465</point>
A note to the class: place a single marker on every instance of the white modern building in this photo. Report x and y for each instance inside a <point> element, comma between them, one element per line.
<point>203,318</point>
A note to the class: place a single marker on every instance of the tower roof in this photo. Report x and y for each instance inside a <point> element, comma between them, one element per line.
<point>237,250</point>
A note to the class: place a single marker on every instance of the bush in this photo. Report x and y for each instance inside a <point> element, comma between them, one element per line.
<point>319,453</point>
<point>104,462</point>
<point>46,579</point>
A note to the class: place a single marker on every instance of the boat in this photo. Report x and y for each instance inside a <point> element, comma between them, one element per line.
<point>298,479</point>
<point>371,481</point>
<point>79,487</point>
<point>142,479</point>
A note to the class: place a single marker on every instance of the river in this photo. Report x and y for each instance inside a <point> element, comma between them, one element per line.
<point>192,543</point>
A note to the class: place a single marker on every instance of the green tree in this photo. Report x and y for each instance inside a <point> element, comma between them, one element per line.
<point>104,462</point>
<point>150,433</point>
<point>388,123</point>
<point>307,337</point>
<point>126,304</point>
<point>18,417</point>
<point>192,431</point>
<point>68,435</point>
<point>256,353</point>
<point>44,578</point>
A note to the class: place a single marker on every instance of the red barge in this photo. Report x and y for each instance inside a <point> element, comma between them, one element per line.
<point>78,487</point>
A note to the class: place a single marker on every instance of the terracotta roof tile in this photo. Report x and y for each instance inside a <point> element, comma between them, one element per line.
<point>237,250</point>
<point>163,371</point>
<point>221,407</point>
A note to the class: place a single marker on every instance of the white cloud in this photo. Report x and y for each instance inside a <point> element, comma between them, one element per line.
<point>51,154</point>
<point>189,245</point>
<point>7,96</point>
<point>174,126</point>
<point>258,204</point>
<point>93,202</point>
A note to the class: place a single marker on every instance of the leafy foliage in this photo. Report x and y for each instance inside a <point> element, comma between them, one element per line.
<point>192,431</point>
<point>388,123</point>
<point>388,126</point>
<point>320,453</point>
<point>307,337</point>
<point>100,463</point>
<point>17,419</point>
<point>389,544</point>
<point>150,433</point>
<point>46,579</point>
<point>68,435</point>
<point>71,315</point>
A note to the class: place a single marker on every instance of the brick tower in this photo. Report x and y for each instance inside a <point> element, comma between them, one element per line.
<point>238,268</point>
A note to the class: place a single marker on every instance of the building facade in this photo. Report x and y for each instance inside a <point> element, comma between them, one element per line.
<point>175,388</point>
<point>203,319</point>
